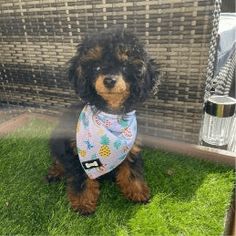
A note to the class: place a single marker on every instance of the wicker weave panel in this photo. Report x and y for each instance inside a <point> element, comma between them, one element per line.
<point>38,37</point>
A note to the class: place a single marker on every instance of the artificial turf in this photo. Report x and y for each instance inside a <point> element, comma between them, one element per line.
<point>189,197</point>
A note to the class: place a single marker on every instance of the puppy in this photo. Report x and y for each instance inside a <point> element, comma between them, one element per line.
<point>111,73</point>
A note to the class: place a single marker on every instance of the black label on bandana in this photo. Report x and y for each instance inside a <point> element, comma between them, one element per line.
<point>91,164</point>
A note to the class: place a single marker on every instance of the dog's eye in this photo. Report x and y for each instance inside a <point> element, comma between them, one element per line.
<point>124,69</point>
<point>98,69</point>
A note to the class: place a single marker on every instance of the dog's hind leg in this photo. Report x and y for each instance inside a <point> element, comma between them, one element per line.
<point>83,194</point>
<point>55,172</point>
<point>129,178</point>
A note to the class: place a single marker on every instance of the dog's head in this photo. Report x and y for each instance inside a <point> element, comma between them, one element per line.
<point>112,70</point>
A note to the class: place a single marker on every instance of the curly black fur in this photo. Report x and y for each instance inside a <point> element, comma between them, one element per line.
<point>138,70</point>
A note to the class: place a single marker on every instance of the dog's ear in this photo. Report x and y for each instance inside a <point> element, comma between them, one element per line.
<point>152,74</point>
<point>145,74</point>
<point>75,74</point>
<point>149,79</point>
<point>72,69</point>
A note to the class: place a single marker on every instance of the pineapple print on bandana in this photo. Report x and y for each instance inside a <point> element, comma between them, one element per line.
<point>104,140</point>
<point>82,153</point>
<point>104,150</point>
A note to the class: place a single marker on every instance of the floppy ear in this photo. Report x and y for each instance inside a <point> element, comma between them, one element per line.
<point>149,79</point>
<point>152,74</point>
<point>73,70</point>
<point>145,78</point>
<point>76,76</point>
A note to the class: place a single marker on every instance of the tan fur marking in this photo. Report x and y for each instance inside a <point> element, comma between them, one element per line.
<point>138,62</point>
<point>86,201</point>
<point>93,54</point>
<point>56,170</point>
<point>122,56</point>
<point>134,189</point>
<point>135,150</point>
<point>116,96</point>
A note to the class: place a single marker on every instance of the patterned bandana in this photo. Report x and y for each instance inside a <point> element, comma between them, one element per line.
<point>103,140</point>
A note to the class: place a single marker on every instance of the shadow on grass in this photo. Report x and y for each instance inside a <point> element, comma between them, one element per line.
<point>30,206</point>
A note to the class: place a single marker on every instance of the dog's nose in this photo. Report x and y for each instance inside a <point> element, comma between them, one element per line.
<point>109,82</point>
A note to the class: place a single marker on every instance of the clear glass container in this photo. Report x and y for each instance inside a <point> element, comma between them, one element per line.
<point>232,137</point>
<point>218,120</point>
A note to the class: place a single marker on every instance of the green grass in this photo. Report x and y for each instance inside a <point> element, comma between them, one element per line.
<point>189,197</point>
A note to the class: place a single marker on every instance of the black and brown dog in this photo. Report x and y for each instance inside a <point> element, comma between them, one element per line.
<point>112,71</point>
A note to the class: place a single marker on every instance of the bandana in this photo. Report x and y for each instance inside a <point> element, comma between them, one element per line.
<point>103,140</point>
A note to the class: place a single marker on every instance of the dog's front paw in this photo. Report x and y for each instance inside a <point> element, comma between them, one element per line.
<point>55,173</point>
<point>132,184</point>
<point>51,179</point>
<point>137,191</point>
<point>85,202</point>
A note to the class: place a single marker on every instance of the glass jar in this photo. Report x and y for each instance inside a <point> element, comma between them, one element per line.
<point>232,137</point>
<point>218,120</point>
